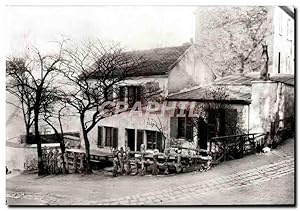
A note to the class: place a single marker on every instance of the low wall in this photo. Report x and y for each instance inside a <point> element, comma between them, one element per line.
<point>271,101</point>
<point>24,157</point>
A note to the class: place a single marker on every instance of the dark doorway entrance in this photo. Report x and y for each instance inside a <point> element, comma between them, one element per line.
<point>131,139</point>
<point>202,133</point>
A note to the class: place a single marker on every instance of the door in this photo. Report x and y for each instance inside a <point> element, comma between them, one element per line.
<point>202,133</point>
<point>131,138</point>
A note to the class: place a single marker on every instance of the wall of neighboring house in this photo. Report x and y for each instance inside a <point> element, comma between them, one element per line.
<point>283,52</point>
<point>128,123</point>
<point>271,101</point>
<point>189,71</point>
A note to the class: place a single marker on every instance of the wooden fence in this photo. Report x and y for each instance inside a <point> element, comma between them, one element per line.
<point>233,147</point>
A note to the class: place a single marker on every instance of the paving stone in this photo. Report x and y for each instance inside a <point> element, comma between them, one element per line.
<point>235,180</point>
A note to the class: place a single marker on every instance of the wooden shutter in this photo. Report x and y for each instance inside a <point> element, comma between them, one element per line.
<point>100,136</point>
<point>173,127</point>
<point>115,138</point>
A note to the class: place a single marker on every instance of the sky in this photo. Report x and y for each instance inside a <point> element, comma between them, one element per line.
<point>135,27</point>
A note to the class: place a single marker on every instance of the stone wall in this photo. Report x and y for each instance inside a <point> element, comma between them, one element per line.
<point>271,101</point>
<point>24,157</point>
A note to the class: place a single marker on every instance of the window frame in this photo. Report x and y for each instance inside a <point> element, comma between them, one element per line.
<point>105,133</point>
<point>155,143</point>
<point>187,123</point>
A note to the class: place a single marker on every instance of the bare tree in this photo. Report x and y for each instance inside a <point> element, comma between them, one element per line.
<point>232,36</point>
<point>19,85</point>
<point>53,113</point>
<point>93,71</point>
<point>37,78</point>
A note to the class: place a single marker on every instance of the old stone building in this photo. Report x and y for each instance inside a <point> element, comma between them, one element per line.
<point>171,69</point>
<point>227,54</point>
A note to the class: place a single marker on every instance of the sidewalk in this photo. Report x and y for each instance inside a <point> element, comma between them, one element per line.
<point>102,189</point>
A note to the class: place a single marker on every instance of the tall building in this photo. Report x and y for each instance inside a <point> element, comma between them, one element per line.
<point>231,38</point>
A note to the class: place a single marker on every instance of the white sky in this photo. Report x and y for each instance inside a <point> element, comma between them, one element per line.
<point>136,27</point>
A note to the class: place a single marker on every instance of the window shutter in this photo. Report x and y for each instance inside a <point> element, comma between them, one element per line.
<point>115,137</point>
<point>100,136</point>
<point>173,127</point>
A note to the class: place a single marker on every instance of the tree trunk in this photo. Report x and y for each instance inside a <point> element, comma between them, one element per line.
<point>38,141</point>
<point>63,150</point>
<point>27,134</point>
<point>87,150</point>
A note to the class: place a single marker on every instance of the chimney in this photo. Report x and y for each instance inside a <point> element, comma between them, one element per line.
<point>264,75</point>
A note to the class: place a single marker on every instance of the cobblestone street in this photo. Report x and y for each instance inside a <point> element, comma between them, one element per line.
<point>256,179</point>
<point>184,192</point>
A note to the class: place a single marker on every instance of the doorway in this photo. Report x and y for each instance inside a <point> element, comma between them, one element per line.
<point>131,139</point>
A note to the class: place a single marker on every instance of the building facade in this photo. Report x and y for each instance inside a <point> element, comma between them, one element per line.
<point>176,68</point>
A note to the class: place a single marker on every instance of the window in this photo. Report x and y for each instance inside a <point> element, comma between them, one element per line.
<point>280,24</point>
<point>185,128</point>
<point>134,95</point>
<point>154,140</point>
<point>222,122</point>
<point>108,136</point>
<point>140,139</point>
<point>122,93</point>
<point>110,94</point>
